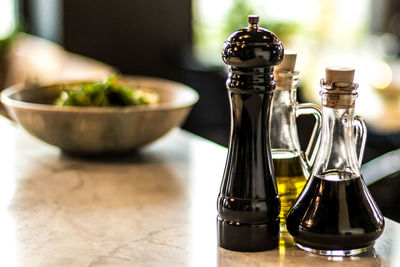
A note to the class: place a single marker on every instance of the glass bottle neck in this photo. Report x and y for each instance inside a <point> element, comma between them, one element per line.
<point>283,119</point>
<point>337,158</point>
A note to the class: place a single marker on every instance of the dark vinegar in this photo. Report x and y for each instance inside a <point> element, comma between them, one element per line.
<point>335,214</point>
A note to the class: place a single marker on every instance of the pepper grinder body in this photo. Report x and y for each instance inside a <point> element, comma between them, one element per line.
<point>248,203</point>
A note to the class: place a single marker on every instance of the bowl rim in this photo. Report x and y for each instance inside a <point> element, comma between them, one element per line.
<point>8,101</point>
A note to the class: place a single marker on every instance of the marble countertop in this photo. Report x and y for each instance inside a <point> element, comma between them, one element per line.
<point>153,208</point>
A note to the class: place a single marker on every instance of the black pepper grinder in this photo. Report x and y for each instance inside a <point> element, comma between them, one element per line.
<point>248,202</point>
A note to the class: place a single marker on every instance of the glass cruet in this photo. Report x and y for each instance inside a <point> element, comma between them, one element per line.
<point>335,214</point>
<point>291,165</point>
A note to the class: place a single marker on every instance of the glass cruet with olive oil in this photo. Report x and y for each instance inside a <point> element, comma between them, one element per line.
<point>335,214</point>
<point>290,163</point>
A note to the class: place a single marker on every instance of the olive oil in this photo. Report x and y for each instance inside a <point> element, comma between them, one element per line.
<point>290,174</point>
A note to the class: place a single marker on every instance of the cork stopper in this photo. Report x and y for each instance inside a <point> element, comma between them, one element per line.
<point>289,61</point>
<point>286,76</point>
<point>339,74</point>
<point>338,89</point>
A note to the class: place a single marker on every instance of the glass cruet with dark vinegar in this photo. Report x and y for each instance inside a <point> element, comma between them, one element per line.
<point>291,165</point>
<point>335,214</point>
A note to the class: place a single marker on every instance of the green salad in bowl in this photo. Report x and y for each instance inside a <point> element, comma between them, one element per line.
<point>109,93</point>
<point>93,117</point>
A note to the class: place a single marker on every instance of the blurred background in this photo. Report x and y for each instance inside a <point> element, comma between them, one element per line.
<point>47,40</point>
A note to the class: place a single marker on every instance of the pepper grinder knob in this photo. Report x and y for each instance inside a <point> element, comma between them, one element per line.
<point>252,47</point>
<point>253,22</point>
<point>253,19</point>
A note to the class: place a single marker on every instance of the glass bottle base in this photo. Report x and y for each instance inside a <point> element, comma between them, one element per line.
<point>336,252</point>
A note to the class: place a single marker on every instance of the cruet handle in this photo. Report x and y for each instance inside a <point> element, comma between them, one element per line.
<point>360,136</point>
<point>313,143</point>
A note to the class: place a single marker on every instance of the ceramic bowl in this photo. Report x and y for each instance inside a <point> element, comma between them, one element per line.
<point>97,130</point>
